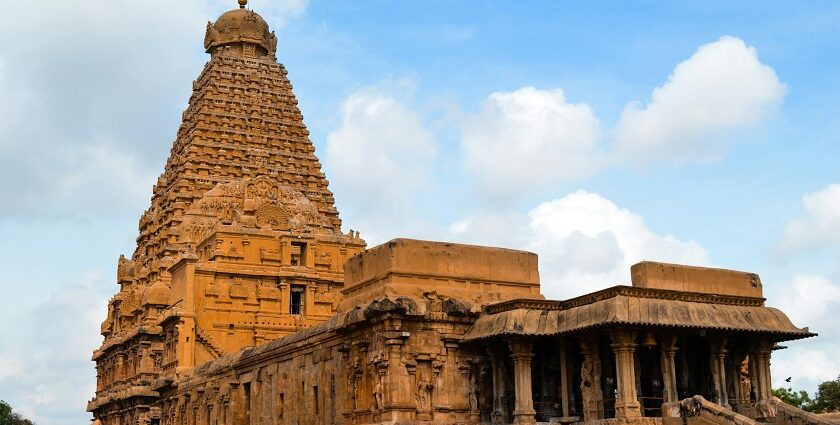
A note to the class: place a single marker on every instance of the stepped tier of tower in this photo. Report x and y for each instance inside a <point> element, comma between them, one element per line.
<point>242,122</point>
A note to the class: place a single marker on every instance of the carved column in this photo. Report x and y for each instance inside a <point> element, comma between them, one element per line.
<point>147,364</point>
<point>735,362</point>
<point>396,395</point>
<point>285,297</point>
<point>499,414</point>
<point>522,353</point>
<point>564,377</point>
<point>718,360</point>
<point>121,373</point>
<point>668,345</point>
<point>627,405</point>
<point>766,382</point>
<point>590,374</point>
<point>760,368</point>
<point>309,308</point>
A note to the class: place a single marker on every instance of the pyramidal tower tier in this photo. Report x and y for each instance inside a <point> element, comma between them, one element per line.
<point>242,242</point>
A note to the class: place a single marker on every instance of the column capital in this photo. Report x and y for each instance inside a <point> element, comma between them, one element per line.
<point>668,342</point>
<point>624,346</point>
<point>718,344</point>
<point>761,346</point>
<point>623,337</point>
<point>521,347</point>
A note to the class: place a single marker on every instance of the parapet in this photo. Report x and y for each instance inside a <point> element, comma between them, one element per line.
<point>414,268</point>
<point>678,277</point>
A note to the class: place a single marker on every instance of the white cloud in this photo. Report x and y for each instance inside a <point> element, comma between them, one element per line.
<point>380,156</point>
<point>821,225</point>
<point>10,366</point>
<point>277,13</point>
<point>94,81</point>
<point>807,367</point>
<point>808,300</point>
<point>527,138</point>
<point>50,377</point>
<point>722,87</point>
<point>809,297</point>
<point>585,242</point>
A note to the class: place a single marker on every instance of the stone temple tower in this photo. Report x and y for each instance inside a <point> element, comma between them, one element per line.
<point>242,242</point>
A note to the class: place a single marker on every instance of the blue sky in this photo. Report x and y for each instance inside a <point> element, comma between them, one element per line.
<point>596,134</point>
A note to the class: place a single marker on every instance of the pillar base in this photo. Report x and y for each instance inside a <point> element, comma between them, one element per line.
<point>628,410</point>
<point>497,418</point>
<point>526,417</point>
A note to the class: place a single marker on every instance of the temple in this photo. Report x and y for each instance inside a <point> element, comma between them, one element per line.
<point>245,303</point>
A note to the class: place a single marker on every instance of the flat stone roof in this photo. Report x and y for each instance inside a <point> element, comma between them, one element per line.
<point>633,306</point>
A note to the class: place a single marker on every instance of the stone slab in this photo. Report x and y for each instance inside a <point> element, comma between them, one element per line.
<point>678,277</point>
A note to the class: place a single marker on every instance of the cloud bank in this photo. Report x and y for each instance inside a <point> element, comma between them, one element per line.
<point>528,139</point>
<point>585,242</point>
<point>380,158</point>
<point>820,227</point>
<point>721,87</point>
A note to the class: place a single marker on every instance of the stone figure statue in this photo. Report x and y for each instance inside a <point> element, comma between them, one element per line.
<point>473,393</point>
<point>587,389</point>
<point>424,393</point>
<point>766,408</point>
<point>378,394</point>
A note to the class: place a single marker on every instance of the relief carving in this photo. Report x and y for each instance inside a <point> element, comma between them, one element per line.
<point>423,392</point>
<point>238,289</point>
<point>378,393</point>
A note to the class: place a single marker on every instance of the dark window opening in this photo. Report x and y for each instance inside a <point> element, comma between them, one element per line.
<point>315,394</point>
<point>282,405</point>
<point>296,300</point>
<point>247,390</point>
<point>299,253</point>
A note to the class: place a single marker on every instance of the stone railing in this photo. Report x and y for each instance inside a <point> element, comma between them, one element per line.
<point>699,407</point>
<point>790,415</point>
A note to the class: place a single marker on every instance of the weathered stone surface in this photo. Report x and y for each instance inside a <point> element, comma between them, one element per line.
<point>244,303</point>
<point>474,274</point>
<point>678,277</point>
<point>628,306</point>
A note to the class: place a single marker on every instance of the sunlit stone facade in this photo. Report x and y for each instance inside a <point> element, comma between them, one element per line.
<point>244,303</point>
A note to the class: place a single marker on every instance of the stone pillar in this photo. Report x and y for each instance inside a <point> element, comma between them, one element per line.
<point>766,381</point>
<point>499,414</point>
<point>590,376</point>
<point>392,389</point>
<point>522,353</point>
<point>627,405</point>
<point>147,364</point>
<point>718,360</point>
<point>285,297</point>
<point>564,378</point>
<point>309,300</point>
<point>734,376</point>
<point>121,373</point>
<point>668,346</point>
<point>760,368</point>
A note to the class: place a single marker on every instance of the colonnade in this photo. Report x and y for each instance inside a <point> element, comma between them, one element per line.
<point>719,379</point>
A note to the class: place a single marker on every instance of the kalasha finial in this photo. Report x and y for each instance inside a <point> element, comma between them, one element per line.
<point>242,3</point>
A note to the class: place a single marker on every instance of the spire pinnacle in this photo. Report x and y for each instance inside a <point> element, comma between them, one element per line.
<point>242,3</point>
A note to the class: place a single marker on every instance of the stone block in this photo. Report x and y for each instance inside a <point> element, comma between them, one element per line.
<point>678,277</point>
<point>414,268</point>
